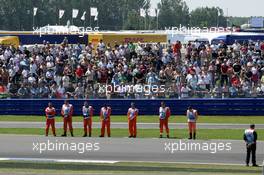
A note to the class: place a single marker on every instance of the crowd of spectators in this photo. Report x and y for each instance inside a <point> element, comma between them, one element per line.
<point>193,70</point>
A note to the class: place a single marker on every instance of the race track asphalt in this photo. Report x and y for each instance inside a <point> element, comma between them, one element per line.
<point>125,149</point>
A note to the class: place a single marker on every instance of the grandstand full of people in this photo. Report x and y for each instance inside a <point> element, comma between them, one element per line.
<point>192,70</point>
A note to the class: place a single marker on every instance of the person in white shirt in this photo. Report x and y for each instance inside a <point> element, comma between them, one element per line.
<point>236,47</point>
<point>192,81</point>
<point>66,81</point>
<point>192,116</point>
<point>61,91</point>
<point>90,75</point>
<point>31,79</point>
<point>202,83</point>
<point>79,91</point>
<point>101,46</point>
<point>33,68</point>
<point>185,91</point>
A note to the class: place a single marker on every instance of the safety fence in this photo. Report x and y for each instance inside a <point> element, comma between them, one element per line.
<point>229,107</point>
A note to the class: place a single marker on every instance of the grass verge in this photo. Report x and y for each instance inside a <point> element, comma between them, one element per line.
<point>124,168</point>
<point>204,134</point>
<point>149,119</point>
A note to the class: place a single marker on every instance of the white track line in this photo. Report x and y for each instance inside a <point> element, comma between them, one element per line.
<point>58,160</point>
<point>192,163</point>
<point>112,162</point>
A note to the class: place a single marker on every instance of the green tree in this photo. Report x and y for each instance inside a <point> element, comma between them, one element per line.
<point>15,14</point>
<point>237,21</point>
<point>208,17</point>
<point>113,14</point>
<point>132,18</point>
<point>132,22</point>
<point>173,13</point>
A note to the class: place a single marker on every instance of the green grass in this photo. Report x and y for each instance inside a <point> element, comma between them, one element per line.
<point>125,168</point>
<point>150,119</point>
<point>205,134</point>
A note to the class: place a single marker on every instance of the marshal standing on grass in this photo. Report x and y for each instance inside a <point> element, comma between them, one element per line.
<point>164,114</point>
<point>192,116</point>
<point>132,120</point>
<point>50,119</point>
<point>87,119</point>
<point>105,114</point>
<point>250,137</point>
<point>66,112</point>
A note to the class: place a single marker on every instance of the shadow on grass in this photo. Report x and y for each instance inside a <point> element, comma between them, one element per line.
<point>123,168</point>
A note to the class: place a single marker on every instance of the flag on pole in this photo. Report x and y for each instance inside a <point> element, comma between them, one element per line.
<point>83,16</point>
<point>142,13</point>
<point>152,12</point>
<point>61,13</point>
<point>96,16</point>
<point>35,9</point>
<point>93,11</point>
<point>75,13</point>
<point>157,11</point>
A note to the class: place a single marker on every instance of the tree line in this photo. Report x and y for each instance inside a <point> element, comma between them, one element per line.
<point>113,14</point>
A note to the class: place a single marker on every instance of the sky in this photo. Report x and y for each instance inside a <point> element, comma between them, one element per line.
<point>244,8</point>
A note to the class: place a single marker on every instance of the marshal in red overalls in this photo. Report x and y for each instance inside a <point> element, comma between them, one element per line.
<point>132,120</point>
<point>50,119</point>
<point>66,112</point>
<point>164,114</point>
<point>105,114</point>
<point>87,119</point>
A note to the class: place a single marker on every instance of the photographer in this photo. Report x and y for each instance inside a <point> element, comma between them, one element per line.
<point>250,137</point>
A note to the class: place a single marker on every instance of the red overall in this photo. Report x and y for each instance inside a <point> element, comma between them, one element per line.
<point>105,114</point>
<point>50,120</point>
<point>66,112</point>
<point>87,119</point>
<point>132,121</point>
<point>164,119</point>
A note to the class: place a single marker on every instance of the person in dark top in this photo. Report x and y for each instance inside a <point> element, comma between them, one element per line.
<point>237,67</point>
<point>224,75</point>
<point>250,137</point>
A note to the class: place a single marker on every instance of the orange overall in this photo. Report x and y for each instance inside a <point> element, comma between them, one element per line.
<point>192,117</point>
<point>164,114</point>
<point>132,121</point>
<point>66,112</point>
<point>87,119</point>
<point>50,120</point>
<point>105,114</point>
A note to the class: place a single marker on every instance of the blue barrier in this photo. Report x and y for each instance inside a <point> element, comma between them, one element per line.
<point>146,107</point>
<point>31,39</point>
